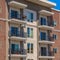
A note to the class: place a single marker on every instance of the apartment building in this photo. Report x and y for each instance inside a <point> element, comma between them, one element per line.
<point>28,30</point>
<point>56,33</point>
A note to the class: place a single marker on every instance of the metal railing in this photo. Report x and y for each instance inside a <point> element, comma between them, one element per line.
<point>49,38</point>
<point>19,34</point>
<point>47,53</point>
<point>21,51</point>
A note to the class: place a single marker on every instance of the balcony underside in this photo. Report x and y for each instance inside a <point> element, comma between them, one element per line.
<point>46,42</point>
<point>17,4</point>
<point>46,13</point>
<point>17,38</point>
<point>43,2</point>
<point>46,57</point>
<point>17,21</point>
<point>46,27</point>
<point>17,55</point>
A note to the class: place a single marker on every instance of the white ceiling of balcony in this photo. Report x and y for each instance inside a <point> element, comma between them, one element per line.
<point>43,2</point>
<point>17,4</point>
<point>45,12</point>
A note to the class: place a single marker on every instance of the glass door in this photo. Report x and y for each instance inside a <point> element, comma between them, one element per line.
<point>43,51</point>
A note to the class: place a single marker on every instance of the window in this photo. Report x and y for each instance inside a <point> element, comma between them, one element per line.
<point>31,15</point>
<point>43,51</point>
<point>15,48</point>
<point>30,48</point>
<point>14,14</point>
<point>30,32</point>
<point>54,36</point>
<point>43,21</point>
<point>55,50</point>
<point>43,36</point>
<point>14,31</point>
<point>54,23</point>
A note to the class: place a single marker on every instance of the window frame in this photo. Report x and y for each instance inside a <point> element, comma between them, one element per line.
<point>31,11</point>
<point>30,50</point>
<point>43,16</point>
<point>55,36</point>
<point>55,50</point>
<point>30,35</point>
<point>55,23</point>
<point>46,35</point>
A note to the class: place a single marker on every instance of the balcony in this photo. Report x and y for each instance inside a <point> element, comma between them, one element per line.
<point>43,2</point>
<point>45,25</point>
<point>49,40</point>
<point>47,55</point>
<point>18,53</point>
<point>18,36</point>
<point>17,20</point>
<point>46,13</point>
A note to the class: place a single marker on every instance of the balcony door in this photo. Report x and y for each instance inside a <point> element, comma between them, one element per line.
<point>43,36</point>
<point>15,48</point>
<point>43,51</point>
<point>43,20</point>
<point>14,31</point>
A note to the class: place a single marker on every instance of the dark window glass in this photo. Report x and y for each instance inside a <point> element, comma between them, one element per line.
<point>14,31</point>
<point>43,51</point>
<point>55,50</point>
<point>42,35</point>
<point>14,14</point>
<point>31,48</point>
<point>54,36</point>
<point>43,21</point>
<point>28,47</point>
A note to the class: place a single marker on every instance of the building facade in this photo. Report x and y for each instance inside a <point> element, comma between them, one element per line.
<point>27,30</point>
<point>56,33</point>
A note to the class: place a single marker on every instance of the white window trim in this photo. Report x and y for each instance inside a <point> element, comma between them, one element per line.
<point>14,10</point>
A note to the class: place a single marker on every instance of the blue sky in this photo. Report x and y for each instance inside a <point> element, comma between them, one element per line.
<point>57,4</point>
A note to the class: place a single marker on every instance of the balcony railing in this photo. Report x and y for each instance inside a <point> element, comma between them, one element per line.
<point>44,22</point>
<point>21,51</point>
<point>50,38</point>
<point>51,53</point>
<point>21,17</point>
<point>47,39</point>
<point>18,34</point>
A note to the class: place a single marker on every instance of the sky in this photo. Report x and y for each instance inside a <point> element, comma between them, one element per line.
<point>57,4</point>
